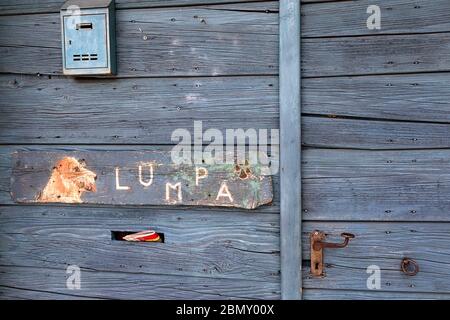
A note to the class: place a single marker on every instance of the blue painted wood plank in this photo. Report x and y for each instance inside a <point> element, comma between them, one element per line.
<point>348,18</point>
<point>9,7</point>
<point>97,284</point>
<point>416,97</point>
<point>383,244</point>
<point>129,111</point>
<point>290,142</point>
<point>167,42</point>
<point>330,294</point>
<point>196,244</point>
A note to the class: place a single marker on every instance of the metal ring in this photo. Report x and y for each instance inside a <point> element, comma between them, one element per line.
<point>406,263</point>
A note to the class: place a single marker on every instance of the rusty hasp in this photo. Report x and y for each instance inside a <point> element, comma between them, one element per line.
<point>135,178</point>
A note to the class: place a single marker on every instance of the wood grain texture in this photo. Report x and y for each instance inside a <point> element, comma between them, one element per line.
<point>321,18</point>
<point>202,257</point>
<point>64,111</point>
<point>227,39</point>
<point>349,164</point>
<point>40,110</point>
<point>375,55</point>
<point>9,7</point>
<point>418,197</point>
<point>330,294</point>
<point>328,132</point>
<point>136,178</point>
<point>419,97</point>
<point>137,110</point>
<point>385,245</point>
<point>290,150</point>
<point>121,285</point>
<point>194,41</point>
<point>376,185</point>
<point>348,18</point>
<point>14,293</point>
<point>225,43</point>
<point>233,246</point>
<point>6,165</point>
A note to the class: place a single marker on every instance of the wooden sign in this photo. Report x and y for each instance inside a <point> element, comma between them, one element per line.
<point>134,178</point>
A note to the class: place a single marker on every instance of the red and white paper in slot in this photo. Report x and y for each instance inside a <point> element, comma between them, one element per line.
<point>143,236</point>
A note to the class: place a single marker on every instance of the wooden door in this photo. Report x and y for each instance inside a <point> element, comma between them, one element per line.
<point>212,60</point>
<point>374,156</point>
<point>375,139</point>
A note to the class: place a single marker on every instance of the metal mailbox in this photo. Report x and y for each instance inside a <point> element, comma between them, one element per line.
<point>88,37</point>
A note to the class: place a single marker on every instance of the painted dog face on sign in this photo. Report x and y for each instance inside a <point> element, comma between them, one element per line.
<point>69,180</point>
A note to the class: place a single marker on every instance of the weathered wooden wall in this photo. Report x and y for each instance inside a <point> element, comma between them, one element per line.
<point>376,130</point>
<point>376,139</point>
<point>179,61</point>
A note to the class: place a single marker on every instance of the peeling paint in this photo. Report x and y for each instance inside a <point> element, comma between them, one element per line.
<point>69,180</point>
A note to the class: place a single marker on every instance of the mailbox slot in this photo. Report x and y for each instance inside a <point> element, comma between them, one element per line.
<point>119,236</point>
<point>86,25</point>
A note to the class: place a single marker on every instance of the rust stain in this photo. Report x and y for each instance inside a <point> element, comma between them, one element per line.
<point>243,170</point>
<point>69,180</point>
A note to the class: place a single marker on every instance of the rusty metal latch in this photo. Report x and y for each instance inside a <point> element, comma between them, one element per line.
<point>409,267</point>
<point>318,244</point>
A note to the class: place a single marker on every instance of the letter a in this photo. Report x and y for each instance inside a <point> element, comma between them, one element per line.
<point>374,21</point>
<point>224,192</point>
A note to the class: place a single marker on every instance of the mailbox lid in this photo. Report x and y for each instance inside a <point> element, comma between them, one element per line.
<point>87,4</point>
<point>86,41</point>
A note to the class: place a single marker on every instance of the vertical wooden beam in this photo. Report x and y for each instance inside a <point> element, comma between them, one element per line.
<point>290,149</point>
